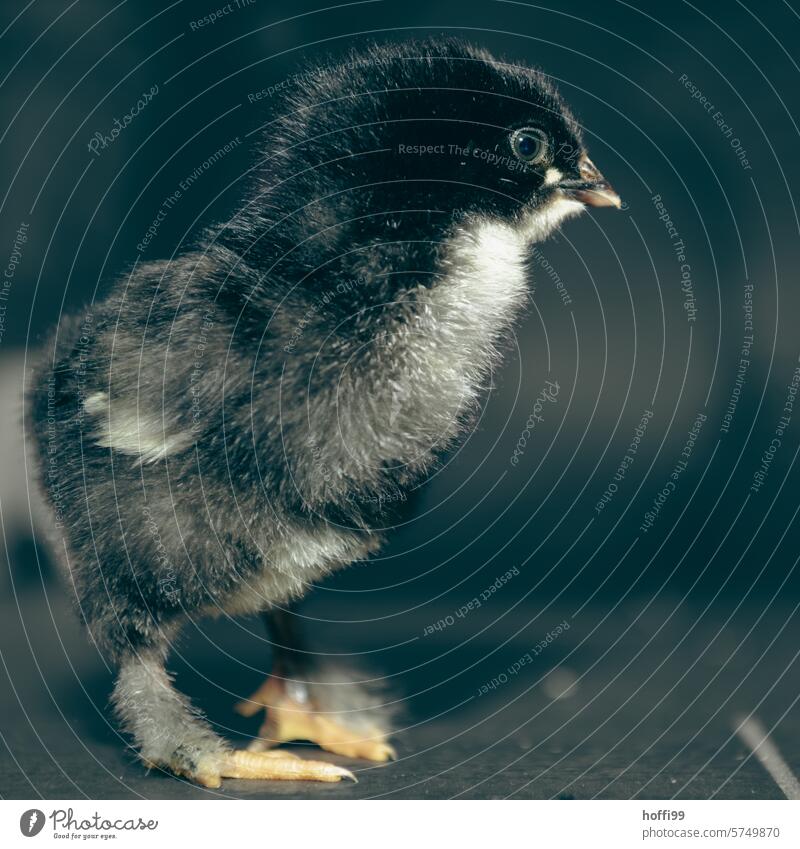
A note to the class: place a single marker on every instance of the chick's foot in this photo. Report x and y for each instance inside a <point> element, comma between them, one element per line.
<point>280,766</point>
<point>292,715</point>
<point>266,766</point>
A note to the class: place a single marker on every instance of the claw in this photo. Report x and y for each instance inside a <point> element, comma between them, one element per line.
<point>271,765</point>
<point>267,766</point>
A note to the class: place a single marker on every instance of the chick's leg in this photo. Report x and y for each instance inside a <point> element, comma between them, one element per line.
<point>302,702</point>
<point>171,735</point>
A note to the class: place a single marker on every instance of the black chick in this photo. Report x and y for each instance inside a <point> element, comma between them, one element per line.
<point>227,427</point>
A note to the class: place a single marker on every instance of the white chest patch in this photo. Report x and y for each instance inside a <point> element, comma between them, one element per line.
<point>444,362</point>
<point>540,224</point>
<point>488,271</point>
<point>487,276</point>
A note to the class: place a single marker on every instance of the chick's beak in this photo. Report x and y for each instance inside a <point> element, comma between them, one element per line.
<point>591,188</point>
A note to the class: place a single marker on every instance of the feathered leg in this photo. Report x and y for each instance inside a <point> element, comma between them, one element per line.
<point>305,699</point>
<point>170,734</point>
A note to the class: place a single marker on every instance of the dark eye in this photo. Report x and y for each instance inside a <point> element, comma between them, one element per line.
<point>530,145</point>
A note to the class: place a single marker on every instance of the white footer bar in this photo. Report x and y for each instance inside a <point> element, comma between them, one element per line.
<point>384,824</point>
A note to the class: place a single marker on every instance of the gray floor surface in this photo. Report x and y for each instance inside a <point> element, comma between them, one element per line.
<point>653,693</point>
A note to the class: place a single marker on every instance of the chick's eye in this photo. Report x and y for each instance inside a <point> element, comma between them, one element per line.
<point>530,145</point>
